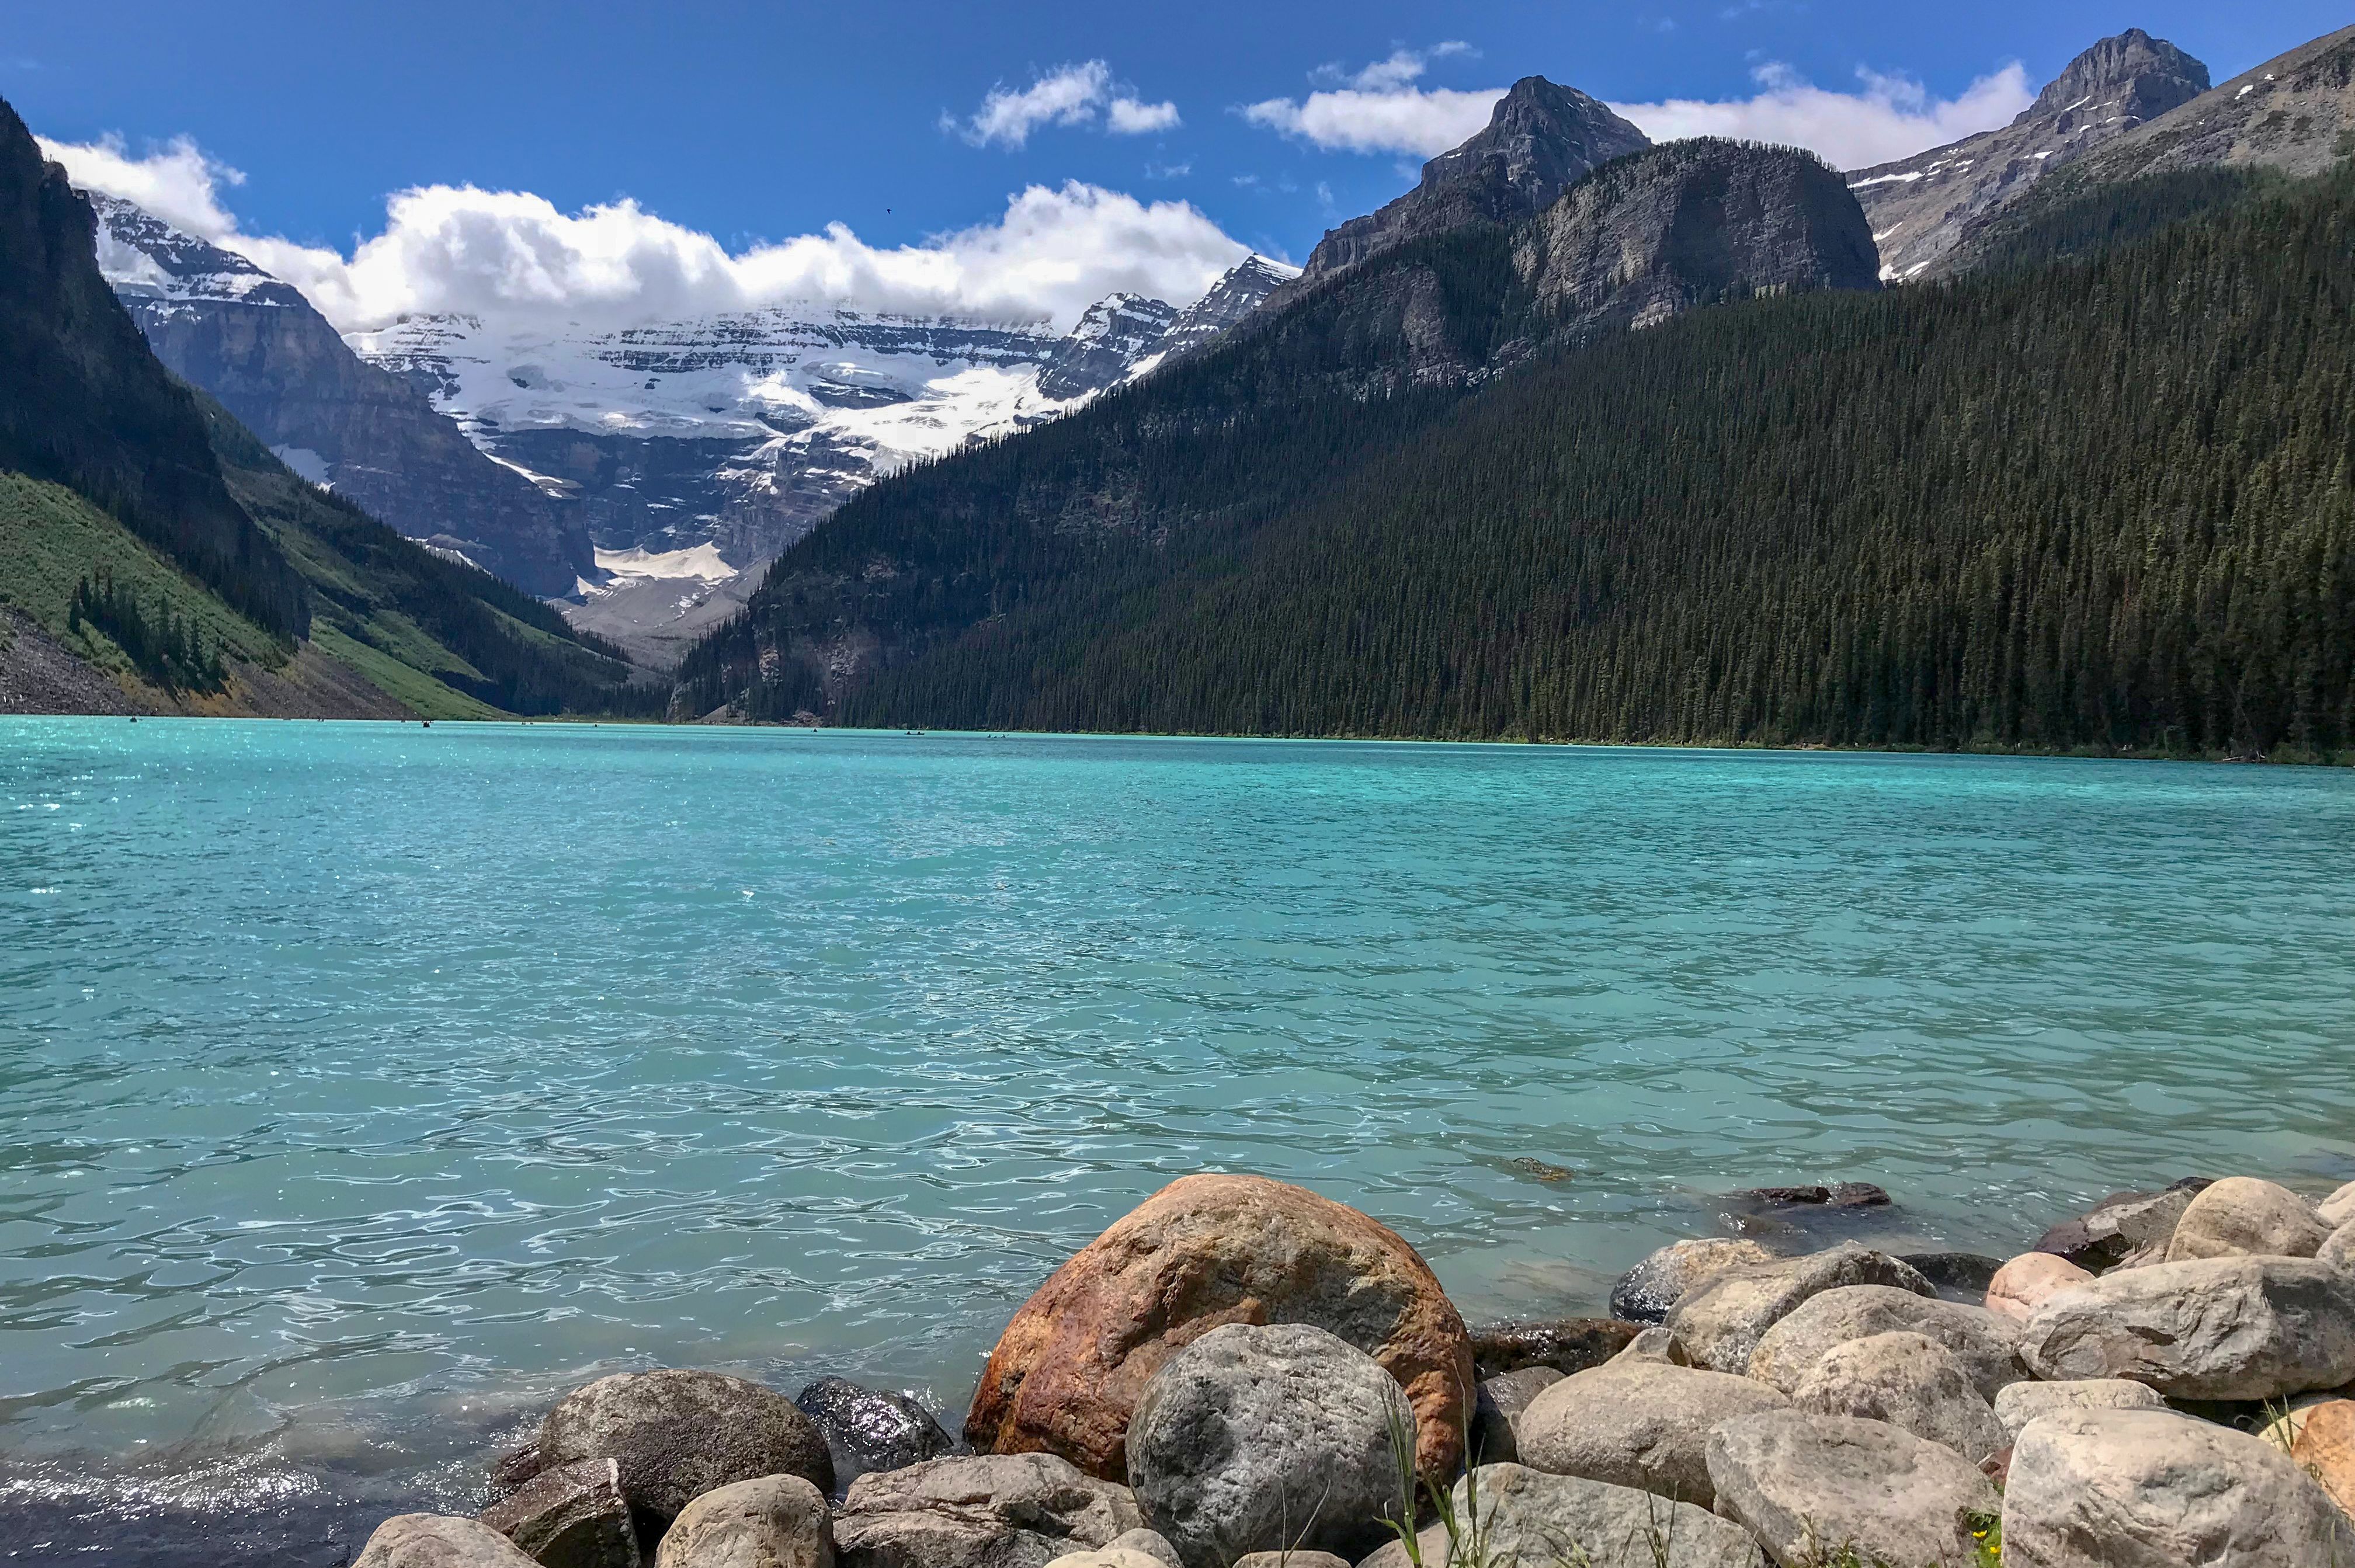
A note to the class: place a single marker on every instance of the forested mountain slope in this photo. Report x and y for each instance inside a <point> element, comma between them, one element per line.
<point>2099,502</point>
<point>154,556</point>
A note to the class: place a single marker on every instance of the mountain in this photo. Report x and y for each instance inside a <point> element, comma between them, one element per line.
<point>2000,513</point>
<point>155,557</point>
<point>1243,289</point>
<point>1231,437</point>
<point>256,343</point>
<point>1921,207</point>
<point>1112,336</point>
<point>1539,141</point>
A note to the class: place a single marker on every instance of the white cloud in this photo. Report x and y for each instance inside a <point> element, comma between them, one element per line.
<point>1069,95</point>
<point>1054,251</point>
<point>1127,117</point>
<point>1376,109</point>
<point>1891,118</point>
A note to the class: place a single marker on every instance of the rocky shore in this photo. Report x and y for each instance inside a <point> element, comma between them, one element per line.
<point>1244,1374</point>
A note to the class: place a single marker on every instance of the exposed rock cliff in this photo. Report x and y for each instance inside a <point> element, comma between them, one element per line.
<point>1113,334</point>
<point>1921,207</point>
<point>1541,139</point>
<point>1243,291</point>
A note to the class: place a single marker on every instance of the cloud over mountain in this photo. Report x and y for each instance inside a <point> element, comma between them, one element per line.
<point>1053,252</point>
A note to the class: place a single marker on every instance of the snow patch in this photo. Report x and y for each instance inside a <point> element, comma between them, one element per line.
<point>700,564</point>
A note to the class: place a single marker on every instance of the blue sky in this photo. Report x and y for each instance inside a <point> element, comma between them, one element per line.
<point>754,123</point>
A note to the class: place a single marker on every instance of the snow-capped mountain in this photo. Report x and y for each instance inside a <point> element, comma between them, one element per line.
<point>1112,336</point>
<point>1243,291</point>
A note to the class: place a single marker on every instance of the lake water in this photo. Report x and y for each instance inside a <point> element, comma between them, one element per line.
<point>363,1085</point>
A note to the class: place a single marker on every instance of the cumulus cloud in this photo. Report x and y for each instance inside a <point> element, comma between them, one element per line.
<point>1052,253</point>
<point>1067,95</point>
<point>1891,117</point>
<point>1378,108</point>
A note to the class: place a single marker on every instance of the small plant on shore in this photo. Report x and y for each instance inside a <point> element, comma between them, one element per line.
<point>1986,1536</point>
<point>1467,1544</point>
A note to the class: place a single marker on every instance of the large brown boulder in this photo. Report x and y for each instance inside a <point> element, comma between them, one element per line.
<point>1204,1252</point>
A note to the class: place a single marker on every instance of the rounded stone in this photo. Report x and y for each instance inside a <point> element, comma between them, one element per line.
<point>1263,1438</point>
<point>677,1434</point>
<point>1987,1346</point>
<point>773,1521</point>
<point>1204,1252</point>
<point>1649,1291</point>
<point>1909,1380</point>
<point>2325,1449</point>
<point>432,1540</point>
<point>2022,1284</point>
<point>1638,1423</point>
<point>1529,1519</point>
<point>2096,1488</point>
<point>1807,1485</point>
<point>2021,1403</point>
<point>870,1429</point>
<point>2218,1328</point>
<point>2244,1217</point>
<point>981,1511</point>
<point>1720,1324</point>
<point>2339,1209</point>
<point>2339,1252</point>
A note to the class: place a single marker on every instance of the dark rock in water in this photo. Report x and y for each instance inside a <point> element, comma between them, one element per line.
<point>870,1429</point>
<point>677,1434</point>
<point>1835,1195</point>
<point>1569,1345</point>
<point>1529,1166</point>
<point>1966,1274</point>
<point>511,1470</point>
<point>2123,1225</point>
<point>572,1516</point>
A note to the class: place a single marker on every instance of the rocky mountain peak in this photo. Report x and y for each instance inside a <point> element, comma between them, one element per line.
<point>2154,75</point>
<point>1541,140</point>
<point>1113,334</point>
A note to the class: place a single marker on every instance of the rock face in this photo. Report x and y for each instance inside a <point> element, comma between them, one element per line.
<point>2021,1403</point>
<point>869,1429</point>
<point>1642,1425</point>
<point>2338,1251</point>
<point>677,1434</point>
<point>1919,206</point>
<point>2124,1225</point>
<point>991,1511</point>
<point>1688,223</point>
<point>1987,1346</point>
<point>1257,1438</point>
<point>1567,1345</point>
<point>257,345</point>
<point>2093,1488</point>
<point>1113,334</point>
<point>1647,1293</point>
<point>1722,1322</point>
<point>1204,1252</point>
<point>1498,1411</point>
<point>776,1521</point>
<point>2287,113</point>
<point>1529,1517</point>
<point>1908,1380</point>
<point>1807,1486</point>
<point>2242,1217</point>
<point>1244,289</point>
<point>431,1540</point>
<point>572,1516</point>
<point>2022,1285</point>
<point>1541,140</point>
<point>2218,1328</point>
<point>2325,1449</point>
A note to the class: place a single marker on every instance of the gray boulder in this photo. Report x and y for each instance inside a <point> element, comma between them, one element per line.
<point>1566,1344</point>
<point>2103,1489</point>
<point>1986,1345</point>
<point>2021,1403</point>
<point>1291,1559</point>
<point>1809,1485</point>
<point>1497,1412</point>
<point>2339,1209</point>
<point>1908,1380</point>
<point>2339,1252</point>
<point>431,1541</point>
<point>2123,1225</point>
<point>1534,1519</point>
<point>1638,1423</point>
<point>981,1511</point>
<point>870,1429</point>
<point>1721,1323</point>
<point>677,1434</point>
<point>569,1516</point>
<point>2218,1328</point>
<point>1260,1438</point>
<point>776,1521</point>
<point>1659,1345</point>
<point>1647,1293</point>
<point>2242,1217</point>
<point>1109,1557</point>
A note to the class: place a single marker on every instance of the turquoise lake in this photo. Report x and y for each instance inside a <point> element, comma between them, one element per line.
<point>363,1085</point>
